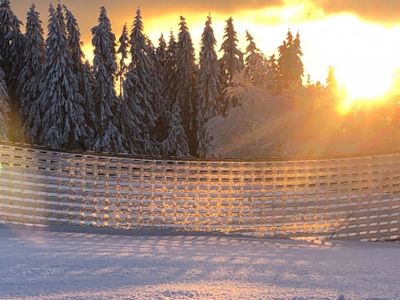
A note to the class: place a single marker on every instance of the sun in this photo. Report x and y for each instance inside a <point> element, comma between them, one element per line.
<point>365,81</point>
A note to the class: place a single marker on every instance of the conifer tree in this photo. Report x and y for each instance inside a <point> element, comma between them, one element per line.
<point>331,81</point>
<point>169,83</point>
<point>255,69</point>
<point>162,106</point>
<point>34,58</point>
<point>62,124</point>
<point>208,84</point>
<point>291,69</point>
<point>11,44</point>
<point>12,52</point>
<point>272,75</point>
<point>176,144</point>
<point>232,59</point>
<point>161,52</point>
<point>332,92</point>
<point>231,64</point>
<point>186,91</point>
<point>4,107</point>
<point>140,92</point>
<point>123,51</point>
<point>108,137</point>
<point>159,105</point>
<point>79,69</point>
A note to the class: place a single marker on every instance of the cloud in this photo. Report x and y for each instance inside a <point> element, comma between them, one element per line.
<point>375,10</point>
<point>218,6</point>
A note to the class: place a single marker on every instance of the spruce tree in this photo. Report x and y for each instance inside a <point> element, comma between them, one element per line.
<point>108,137</point>
<point>4,107</point>
<point>272,75</point>
<point>34,58</point>
<point>11,44</point>
<point>231,64</point>
<point>161,52</point>
<point>79,69</point>
<point>208,84</point>
<point>255,66</point>
<point>161,107</point>
<point>169,83</point>
<point>232,59</point>
<point>186,91</point>
<point>123,51</point>
<point>176,144</point>
<point>62,124</point>
<point>12,52</point>
<point>140,92</point>
<point>331,81</point>
<point>291,69</point>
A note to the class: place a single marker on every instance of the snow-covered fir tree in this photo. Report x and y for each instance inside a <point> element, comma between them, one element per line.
<point>11,44</point>
<point>77,55</point>
<point>232,58</point>
<point>255,64</point>
<point>272,76</point>
<point>186,92</point>
<point>160,61</point>
<point>123,51</point>
<point>89,86</point>
<point>159,105</point>
<point>108,137</point>
<point>169,83</point>
<point>161,51</point>
<point>140,93</point>
<point>4,107</point>
<point>208,84</point>
<point>34,58</point>
<point>176,144</point>
<point>12,52</point>
<point>291,69</point>
<point>231,63</point>
<point>62,124</point>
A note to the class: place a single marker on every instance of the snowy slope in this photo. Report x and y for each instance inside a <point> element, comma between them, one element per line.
<point>46,265</point>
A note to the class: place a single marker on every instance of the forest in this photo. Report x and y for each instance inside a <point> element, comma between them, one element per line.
<point>165,100</point>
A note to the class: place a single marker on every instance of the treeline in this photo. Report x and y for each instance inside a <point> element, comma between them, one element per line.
<point>51,96</point>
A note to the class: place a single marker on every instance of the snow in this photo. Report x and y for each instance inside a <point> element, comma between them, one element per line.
<point>58,265</point>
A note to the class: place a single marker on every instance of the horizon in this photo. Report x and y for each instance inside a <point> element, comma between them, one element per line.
<point>329,33</point>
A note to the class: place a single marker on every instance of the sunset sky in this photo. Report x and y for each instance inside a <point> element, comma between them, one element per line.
<point>359,38</point>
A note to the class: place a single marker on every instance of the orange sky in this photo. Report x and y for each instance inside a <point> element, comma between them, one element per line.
<point>360,38</point>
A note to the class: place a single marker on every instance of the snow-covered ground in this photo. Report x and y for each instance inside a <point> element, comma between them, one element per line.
<point>51,265</point>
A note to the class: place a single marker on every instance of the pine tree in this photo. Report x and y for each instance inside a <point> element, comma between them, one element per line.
<point>123,51</point>
<point>79,69</point>
<point>108,137</point>
<point>34,58</point>
<point>208,84</point>
<point>291,69</point>
<point>176,144</point>
<point>186,93</point>
<point>231,64</point>
<point>140,93</point>
<point>62,124</point>
<point>4,107</point>
<point>256,66</point>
